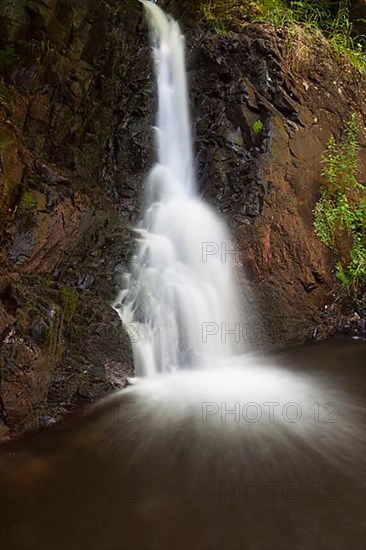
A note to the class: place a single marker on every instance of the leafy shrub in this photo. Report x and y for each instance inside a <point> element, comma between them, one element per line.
<point>341,209</point>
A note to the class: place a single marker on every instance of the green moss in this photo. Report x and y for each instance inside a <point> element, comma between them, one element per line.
<point>341,209</point>
<point>54,349</point>
<point>69,300</point>
<point>257,126</point>
<point>4,200</point>
<point>29,200</point>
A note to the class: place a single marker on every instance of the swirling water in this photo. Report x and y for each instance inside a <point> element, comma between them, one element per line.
<point>198,460</point>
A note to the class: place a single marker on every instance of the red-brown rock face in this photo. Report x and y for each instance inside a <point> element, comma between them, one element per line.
<point>76,107</point>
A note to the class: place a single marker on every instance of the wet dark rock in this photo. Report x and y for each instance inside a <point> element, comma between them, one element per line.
<point>4,430</point>
<point>85,281</point>
<point>76,110</point>
<point>38,331</point>
<point>46,421</point>
<point>61,344</point>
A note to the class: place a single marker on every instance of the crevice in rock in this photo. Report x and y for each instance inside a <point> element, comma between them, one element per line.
<point>10,303</point>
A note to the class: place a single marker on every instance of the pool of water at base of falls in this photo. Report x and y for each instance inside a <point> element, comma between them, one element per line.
<point>250,456</point>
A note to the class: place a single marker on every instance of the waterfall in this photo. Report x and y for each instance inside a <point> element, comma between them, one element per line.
<point>180,304</point>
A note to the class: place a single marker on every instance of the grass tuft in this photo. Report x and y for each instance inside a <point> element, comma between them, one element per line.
<point>330,17</point>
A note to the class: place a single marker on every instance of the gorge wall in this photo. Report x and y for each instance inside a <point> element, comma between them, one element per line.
<point>76,109</point>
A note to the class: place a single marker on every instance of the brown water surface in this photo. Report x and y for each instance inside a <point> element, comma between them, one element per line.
<point>155,468</point>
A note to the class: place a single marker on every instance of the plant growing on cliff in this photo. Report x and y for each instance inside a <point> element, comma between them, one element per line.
<point>340,212</point>
<point>4,199</point>
<point>69,301</point>
<point>29,200</point>
<point>330,17</point>
<point>257,126</point>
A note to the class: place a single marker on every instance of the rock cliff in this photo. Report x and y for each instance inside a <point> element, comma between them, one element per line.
<point>76,108</point>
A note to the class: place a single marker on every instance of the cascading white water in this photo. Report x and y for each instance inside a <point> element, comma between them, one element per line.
<point>182,283</point>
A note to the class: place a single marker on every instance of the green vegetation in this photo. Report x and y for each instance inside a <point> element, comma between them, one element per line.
<point>4,199</point>
<point>29,200</point>
<point>69,300</point>
<point>257,126</point>
<point>54,341</point>
<point>331,17</point>
<point>341,209</point>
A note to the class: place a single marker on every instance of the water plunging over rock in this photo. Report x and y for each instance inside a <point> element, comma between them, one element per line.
<point>181,297</point>
<point>75,144</point>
